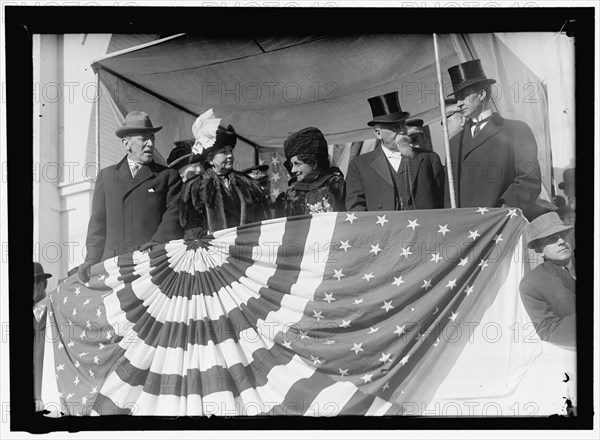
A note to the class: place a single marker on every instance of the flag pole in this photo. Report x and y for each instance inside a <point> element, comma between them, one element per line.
<point>449,171</point>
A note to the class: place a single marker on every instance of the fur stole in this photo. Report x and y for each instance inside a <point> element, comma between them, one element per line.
<point>203,194</point>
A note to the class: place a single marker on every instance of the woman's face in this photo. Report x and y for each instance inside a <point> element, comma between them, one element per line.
<point>302,171</point>
<point>222,161</point>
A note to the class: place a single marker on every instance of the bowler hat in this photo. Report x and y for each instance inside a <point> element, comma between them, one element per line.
<point>309,140</point>
<point>136,122</point>
<point>544,226</point>
<point>467,74</point>
<point>38,272</point>
<point>386,109</point>
<point>568,178</point>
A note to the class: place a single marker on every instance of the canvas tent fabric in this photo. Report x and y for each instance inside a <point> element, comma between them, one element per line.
<point>270,87</point>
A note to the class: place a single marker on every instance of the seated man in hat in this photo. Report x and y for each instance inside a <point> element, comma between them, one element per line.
<point>548,291</point>
<point>40,282</point>
<point>394,176</point>
<point>136,202</point>
<point>494,159</point>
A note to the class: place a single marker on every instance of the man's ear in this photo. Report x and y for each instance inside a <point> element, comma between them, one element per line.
<point>377,133</point>
<point>125,142</point>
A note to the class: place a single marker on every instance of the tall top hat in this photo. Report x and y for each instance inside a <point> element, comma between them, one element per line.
<point>386,109</point>
<point>136,122</point>
<point>467,74</point>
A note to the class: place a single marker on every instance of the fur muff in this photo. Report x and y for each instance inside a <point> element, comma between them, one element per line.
<point>201,202</point>
<point>326,194</point>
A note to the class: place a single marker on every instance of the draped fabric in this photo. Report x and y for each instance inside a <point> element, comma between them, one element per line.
<point>322,315</point>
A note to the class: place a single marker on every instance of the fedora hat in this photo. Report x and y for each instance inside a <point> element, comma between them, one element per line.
<point>136,122</point>
<point>467,74</point>
<point>386,109</point>
<point>38,272</point>
<point>544,226</point>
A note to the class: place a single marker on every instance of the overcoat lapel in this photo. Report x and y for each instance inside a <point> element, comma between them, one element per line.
<point>492,128</point>
<point>381,167</point>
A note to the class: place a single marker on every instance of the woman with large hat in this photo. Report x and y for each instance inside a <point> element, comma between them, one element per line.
<point>219,197</point>
<point>316,186</point>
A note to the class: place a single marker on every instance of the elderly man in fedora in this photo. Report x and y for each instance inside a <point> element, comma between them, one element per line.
<point>548,291</point>
<point>495,159</point>
<point>136,202</point>
<point>394,176</point>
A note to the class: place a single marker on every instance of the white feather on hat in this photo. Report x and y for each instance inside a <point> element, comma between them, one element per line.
<point>205,131</point>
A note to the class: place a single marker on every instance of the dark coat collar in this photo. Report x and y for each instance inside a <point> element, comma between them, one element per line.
<point>317,183</point>
<point>492,128</point>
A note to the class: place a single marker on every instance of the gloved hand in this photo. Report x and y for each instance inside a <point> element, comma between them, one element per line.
<point>39,405</point>
<point>83,271</point>
<point>148,246</point>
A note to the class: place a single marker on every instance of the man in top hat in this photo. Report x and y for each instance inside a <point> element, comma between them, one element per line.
<point>136,202</point>
<point>40,283</point>
<point>394,176</point>
<point>548,291</point>
<point>495,159</point>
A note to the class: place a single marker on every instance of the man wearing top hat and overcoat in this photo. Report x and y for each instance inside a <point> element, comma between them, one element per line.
<point>494,159</point>
<point>396,175</point>
<point>136,202</point>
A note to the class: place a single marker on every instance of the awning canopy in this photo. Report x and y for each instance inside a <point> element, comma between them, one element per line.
<point>269,87</point>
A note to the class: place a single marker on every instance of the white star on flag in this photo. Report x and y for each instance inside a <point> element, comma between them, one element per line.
<point>375,249</point>
<point>338,274</point>
<point>84,401</point>
<point>350,218</point>
<point>400,330</point>
<point>91,373</point>
<point>96,359</point>
<point>426,284</point>
<point>70,344</point>
<point>317,315</point>
<point>76,364</point>
<point>463,261</point>
<point>98,312</point>
<point>86,302</point>
<point>275,177</point>
<point>404,360</point>
<point>443,229</point>
<point>413,224</point>
<point>482,210</point>
<point>275,160</point>
<point>451,284</point>
<point>345,323</point>
<point>328,297</point>
<point>387,305</point>
<point>385,386</point>
<point>357,348</point>
<point>453,316</point>
<point>473,234</point>
<point>315,360</point>
<point>100,345</point>
<point>74,312</point>
<point>287,344</point>
<point>436,257</point>
<point>65,300</point>
<point>77,290</point>
<point>367,377</point>
<point>398,281</point>
<point>381,220</point>
<point>345,245</point>
<point>469,290</point>
<point>512,213</point>
<point>87,324</point>
<point>60,367</point>
<point>372,330</point>
<point>405,252</point>
<point>483,264</point>
<point>498,238</point>
<point>358,301</point>
<point>303,335</point>
<point>101,277</point>
<point>82,354</point>
<point>94,389</point>
<point>76,381</point>
<point>60,345</point>
<point>70,396</point>
<point>385,358</point>
<point>343,372</point>
<point>82,335</point>
<point>368,276</point>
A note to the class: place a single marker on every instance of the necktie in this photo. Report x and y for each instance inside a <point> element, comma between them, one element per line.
<point>134,169</point>
<point>478,124</point>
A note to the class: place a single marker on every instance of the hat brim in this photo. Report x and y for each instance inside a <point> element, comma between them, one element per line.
<point>548,232</point>
<point>124,131</point>
<point>263,168</point>
<point>42,276</point>
<point>390,118</point>
<point>180,161</point>
<point>472,83</point>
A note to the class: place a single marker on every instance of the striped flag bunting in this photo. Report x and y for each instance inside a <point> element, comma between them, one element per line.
<point>324,315</point>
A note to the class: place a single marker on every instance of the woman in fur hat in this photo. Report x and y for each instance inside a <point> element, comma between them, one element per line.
<point>219,197</point>
<point>316,186</point>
